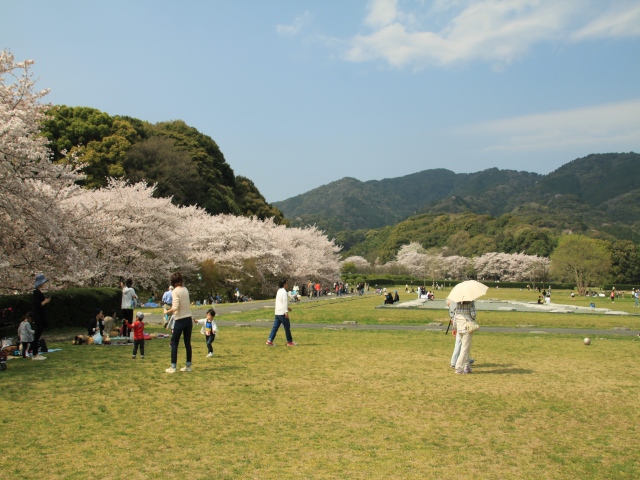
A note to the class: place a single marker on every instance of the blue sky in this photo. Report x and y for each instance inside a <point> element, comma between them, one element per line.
<point>299,93</point>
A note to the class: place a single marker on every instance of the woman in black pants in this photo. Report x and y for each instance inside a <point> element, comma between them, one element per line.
<point>181,307</point>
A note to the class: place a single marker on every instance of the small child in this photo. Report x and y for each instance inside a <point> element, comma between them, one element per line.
<point>25,333</point>
<point>209,329</point>
<point>138,334</point>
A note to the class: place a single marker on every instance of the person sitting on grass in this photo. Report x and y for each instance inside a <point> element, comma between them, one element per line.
<point>96,324</point>
<point>388,299</point>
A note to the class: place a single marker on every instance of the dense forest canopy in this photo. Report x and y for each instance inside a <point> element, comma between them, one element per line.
<point>184,163</point>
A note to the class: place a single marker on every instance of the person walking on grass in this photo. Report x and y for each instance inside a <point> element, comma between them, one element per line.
<point>458,344</point>
<point>25,334</point>
<point>138,335</point>
<point>128,299</point>
<point>209,330</point>
<point>465,315</point>
<point>183,325</point>
<point>282,315</point>
<point>40,318</point>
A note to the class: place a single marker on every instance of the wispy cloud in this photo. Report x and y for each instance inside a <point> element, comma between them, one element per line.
<point>617,22</point>
<point>616,125</point>
<point>294,28</point>
<point>494,31</point>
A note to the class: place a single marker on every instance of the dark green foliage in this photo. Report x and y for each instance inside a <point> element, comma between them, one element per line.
<point>625,262</point>
<point>68,308</point>
<point>184,163</point>
<point>464,234</point>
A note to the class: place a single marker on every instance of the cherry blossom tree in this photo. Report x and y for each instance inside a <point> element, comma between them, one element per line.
<point>96,237</point>
<point>510,267</point>
<point>35,232</point>
<point>360,264</point>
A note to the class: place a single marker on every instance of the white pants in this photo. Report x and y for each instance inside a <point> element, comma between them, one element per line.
<point>465,345</point>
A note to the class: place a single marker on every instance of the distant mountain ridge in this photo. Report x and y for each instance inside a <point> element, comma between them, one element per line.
<point>589,189</point>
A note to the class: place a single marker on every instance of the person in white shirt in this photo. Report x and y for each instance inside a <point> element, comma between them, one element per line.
<point>183,324</point>
<point>282,315</point>
<point>127,305</point>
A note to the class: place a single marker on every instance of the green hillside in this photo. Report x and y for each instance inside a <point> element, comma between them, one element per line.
<point>597,195</point>
<point>349,204</point>
<point>183,162</point>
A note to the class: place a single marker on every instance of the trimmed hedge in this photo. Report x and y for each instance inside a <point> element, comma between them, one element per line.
<point>68,308</point>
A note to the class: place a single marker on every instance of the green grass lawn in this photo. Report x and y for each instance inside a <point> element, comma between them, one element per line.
<point>343,404</point>
<point>363,311</point>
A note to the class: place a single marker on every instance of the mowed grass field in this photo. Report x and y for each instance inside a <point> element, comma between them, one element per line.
<point>343,404</point>
<point>333,310</point>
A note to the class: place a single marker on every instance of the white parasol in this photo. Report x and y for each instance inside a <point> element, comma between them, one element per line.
<point>467,291</point>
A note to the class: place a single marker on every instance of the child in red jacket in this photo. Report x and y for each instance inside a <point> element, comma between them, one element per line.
<point>138,335</point>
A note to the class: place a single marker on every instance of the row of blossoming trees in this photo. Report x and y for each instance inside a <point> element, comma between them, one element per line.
<point>77,236</point>
<point>507,267</point>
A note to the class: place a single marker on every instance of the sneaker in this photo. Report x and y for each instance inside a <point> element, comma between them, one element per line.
<point>185,369</point>
<point>471,361</point>
<point>209,355</point>
<point>291,344</point>
<point>270,343</point>
<point>461,372</point>
<point>141,356</point>
<point>133,357</point>
<point>38,357</point>
<point>170,370</point>
<point>468,370</point>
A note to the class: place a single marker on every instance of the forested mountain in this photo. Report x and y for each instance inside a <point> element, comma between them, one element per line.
<point>350,204</point>
<point>471,214</point>
<point>183,162</point>
<point>599,190</point>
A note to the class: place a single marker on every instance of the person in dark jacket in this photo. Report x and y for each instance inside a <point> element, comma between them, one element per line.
<point>40,314</point>
<point>96,323</point>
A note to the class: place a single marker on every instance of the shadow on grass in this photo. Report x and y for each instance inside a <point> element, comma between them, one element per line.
<point>493,365</point>
<point>229,368</point>
<point>505,371</point>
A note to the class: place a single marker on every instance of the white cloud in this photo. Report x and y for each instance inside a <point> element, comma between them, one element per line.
<point>611,126</point>
<point>618,22</point>
<point>381,13</point>
<point>293,29</point>
<point>494,31</point>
